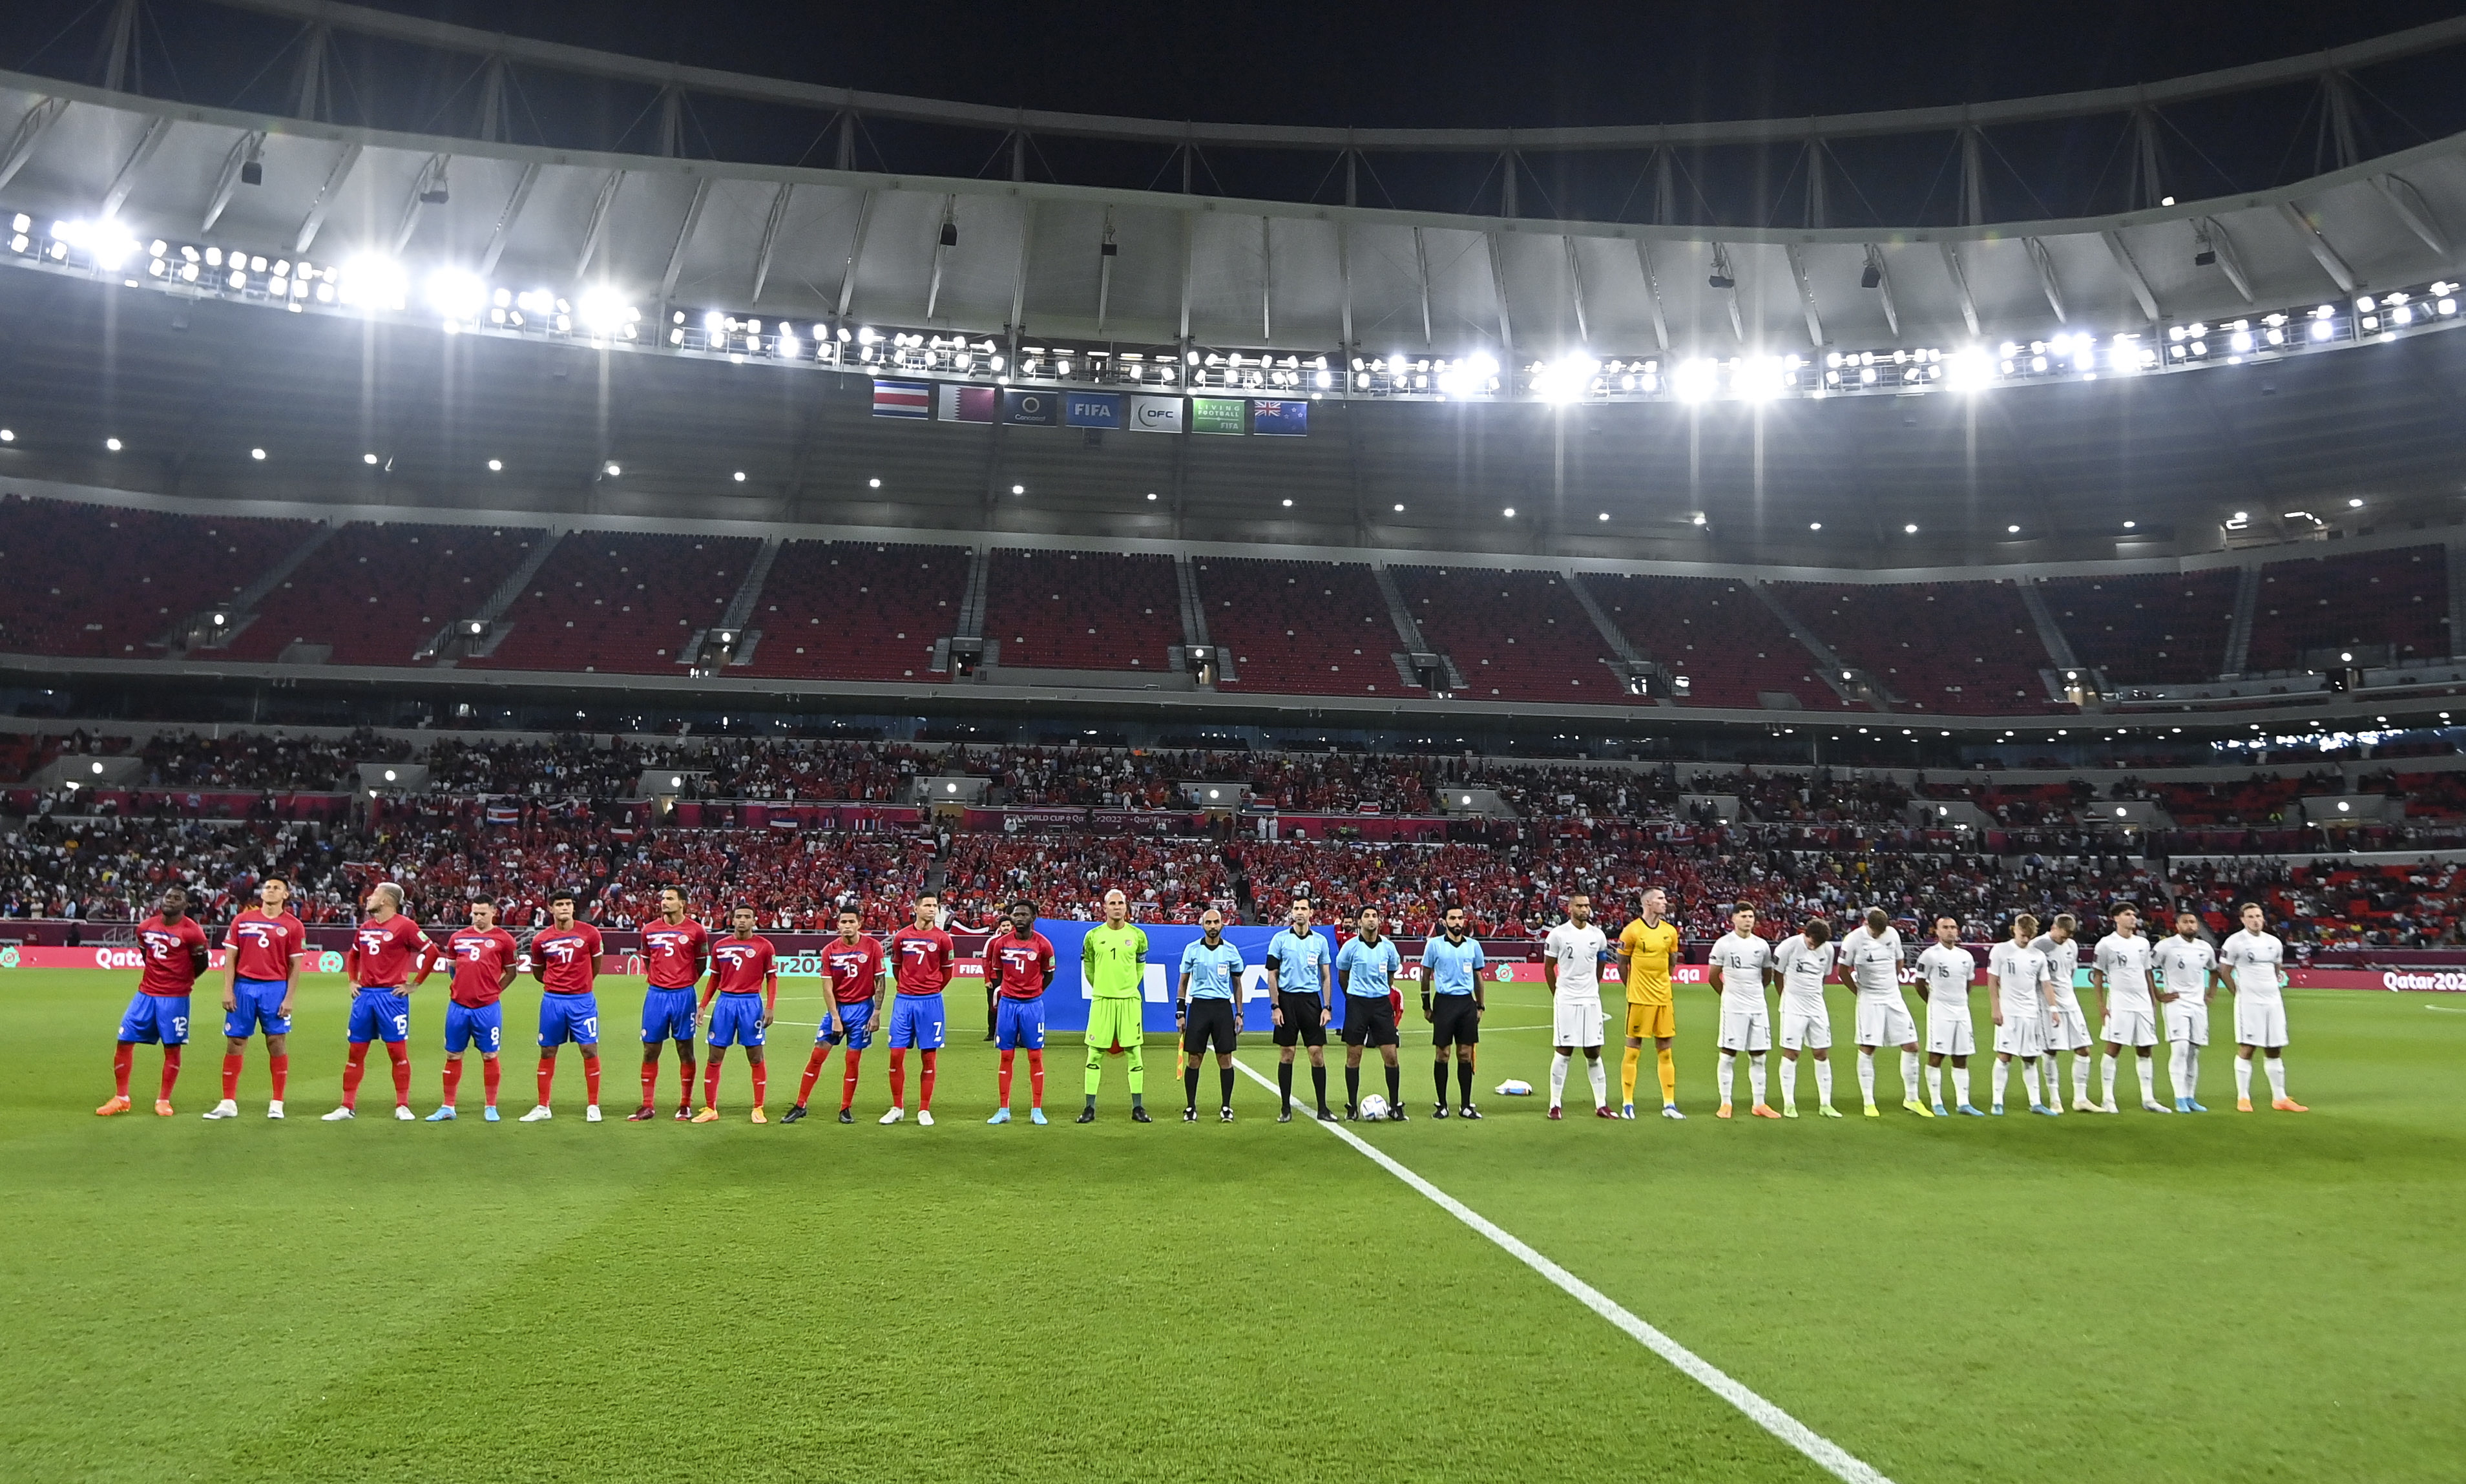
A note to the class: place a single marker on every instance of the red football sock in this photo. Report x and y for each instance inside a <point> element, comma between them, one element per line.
<point>684,1082</point>
<point>170,1069</point>
<point>400,1055</point>
<point>590,1080</point>
<point>547,1078</point>
<point>453,1080</point>
<point>898,1076</point>
<point>762,1082</point>
<point>123,1059</point>
<point>279,1068</point>
<point>847,1083</point>
<point>1003,1076</point>
<point>488,1074</point>
<point>925,1083</point>
<point>1035,1078</point>
<point>813,1073</point>
<point>231,1075</point>
<point>710,1083</point>
<point>353,1069</point>
<point>650,1082</point>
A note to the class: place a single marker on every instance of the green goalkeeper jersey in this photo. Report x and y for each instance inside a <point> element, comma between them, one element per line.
<point>1115,959</point>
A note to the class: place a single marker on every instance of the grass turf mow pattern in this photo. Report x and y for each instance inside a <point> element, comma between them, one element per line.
<point>2269,1297</point>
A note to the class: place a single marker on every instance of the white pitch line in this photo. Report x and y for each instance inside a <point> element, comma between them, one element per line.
<point>1829,1456</point>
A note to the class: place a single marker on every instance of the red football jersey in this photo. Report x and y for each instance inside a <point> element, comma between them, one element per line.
<point>745,966</point>
<point>265,945</point>
<point>855,969</point>
<point>570,958</point>
<point>921,958</point>
<point>1020,964</point>
<point>171,968</point>
<point>383,954</point>
<point>483,963</point>
<point>674,955</point>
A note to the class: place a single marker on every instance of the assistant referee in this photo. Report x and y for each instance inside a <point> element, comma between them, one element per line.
<point>1299,971</point>
<point>1451,1001</point>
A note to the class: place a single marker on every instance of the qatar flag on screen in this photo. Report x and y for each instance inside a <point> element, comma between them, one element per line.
<point>969,404</point>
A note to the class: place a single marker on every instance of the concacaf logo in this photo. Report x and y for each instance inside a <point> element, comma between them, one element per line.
<point>8,956</point>
<point>329,962</point>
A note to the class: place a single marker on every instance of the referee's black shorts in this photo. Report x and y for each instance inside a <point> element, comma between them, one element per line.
<point>1454,1020</point>
<point>1210,1022</point>
<point>1369,1021</point>
<point>1301,1013</point>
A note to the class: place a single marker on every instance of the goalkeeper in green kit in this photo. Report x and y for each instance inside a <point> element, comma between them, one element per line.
<point>1114,959</point>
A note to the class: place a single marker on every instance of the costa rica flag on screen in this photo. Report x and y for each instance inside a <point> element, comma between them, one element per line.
<point>903,399</point>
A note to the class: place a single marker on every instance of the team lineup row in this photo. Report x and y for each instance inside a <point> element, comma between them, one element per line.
<point>898,987</point>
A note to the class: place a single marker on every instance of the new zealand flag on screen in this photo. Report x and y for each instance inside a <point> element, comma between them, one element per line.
<point>1280,419</point>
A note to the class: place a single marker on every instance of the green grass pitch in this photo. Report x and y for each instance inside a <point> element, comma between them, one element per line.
<point>2197,1298</point>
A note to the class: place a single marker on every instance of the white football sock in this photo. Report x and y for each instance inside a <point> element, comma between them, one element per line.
<point>2277,1078</point>
<point>1600,1080</point>
<point>2175,1052</point>
<point>1727,1077</point>
<point>1756,1079</point>
<point>1557,1078</point>
<point>1935,1083</point>
<point>1960,1085</point>
<point>2147,1071</point>
<point>2190,1086</point>
<point>1910,1074</point>
<point>2029,1082</point>
<point>2080,1075</point>
<point>2114,1076</point>
<point>1866,1076</point>
<point>1823,1081</point>
<point>1789,1080</point>
<point>2002,1073</point>
<point>2243,1079</point>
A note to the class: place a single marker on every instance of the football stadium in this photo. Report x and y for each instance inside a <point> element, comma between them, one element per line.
<point>1455,743</point>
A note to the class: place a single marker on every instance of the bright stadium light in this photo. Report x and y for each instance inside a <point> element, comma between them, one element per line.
<point>1759,379</point>
<point>496,467</point>
<point>367,457</point>
<point>1471,376</point>
<point>1563,380</point>
<point>1969,368</point>
<point>603,311</point>
<point>457,293</point>
<point>258,453</point>
<point>107,241</point>
<point>111,443</point>
<point>1694,379</point>
<point>373,281</point>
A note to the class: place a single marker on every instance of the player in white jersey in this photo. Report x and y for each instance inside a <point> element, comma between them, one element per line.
<point>2021,997</point>
<point>2253,964</point>
<point>2127,1017</point>
<point>1738,969</point>
<point>1944,972</point>
<point>1805,961</point>
<point>2066,1028</point>
<point>2187,971</point>
<point>1571,961</point>
<point>1871,959</point>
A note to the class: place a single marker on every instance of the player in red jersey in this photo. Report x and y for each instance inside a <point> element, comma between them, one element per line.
<point>853,962</point>
<point>674,948</point>
<point>261,947</point>
<point>484,956</point>
<point>1018,964</point>
<point>744,979</point>
<point>172,949</point>
<point>921,955</point>
<point>565,958</point>
<point>385,950</point>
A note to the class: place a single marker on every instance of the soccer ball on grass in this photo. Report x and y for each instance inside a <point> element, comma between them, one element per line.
<point>1374,1108</point>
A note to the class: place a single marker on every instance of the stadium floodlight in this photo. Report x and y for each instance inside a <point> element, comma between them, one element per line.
<point>1289,503</point>
<point>1605,515</point>
<point>1152,495</point>
<point>1695,379</point>
<point>1819,526</point>
<point>258,453</point>
<point>373,281</point>
<point>1563,380</point>
<point>2356,503</point>
<point>1474,374</point>
<point>457,293</point>
<point>1910,529</point>
<point>1509,512</point>
<point>367,457</point>
<point>1759,379</point>
<point>739,476</point>
<point>111,443</point>
<point>1018,489</point>
<point>603,311</point>
<point>496,467</point>
<point>1969,368</point>
<point>8,435</point>
<point>873,484</point>
<point>1400,510</point>
<point>612,470</point>
<point>107,241</point>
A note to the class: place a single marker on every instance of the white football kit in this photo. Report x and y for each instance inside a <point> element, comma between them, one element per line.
<point>1804,1021</point>
<point>2066,1027</point>
<point>2020,975</point>
<point>2131,1015</point>
<point>1876,971</point>
<point>1576,1005</point>
<point>2184,967</point>
<point>1745,1025</point>
<point>1948,972</point>
<point>2255,959</point>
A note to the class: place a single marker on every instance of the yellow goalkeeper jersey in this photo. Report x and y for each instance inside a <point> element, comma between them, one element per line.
<point>1649,951</point>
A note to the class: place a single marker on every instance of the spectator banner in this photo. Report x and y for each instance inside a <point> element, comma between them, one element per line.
<point>903,399</point>
<point>1032,409</point>
<point>970,404</point>
<point>1280,419</point>
<point>1216,414</point>
<point>1091,408</point>
<point>1155,415</point>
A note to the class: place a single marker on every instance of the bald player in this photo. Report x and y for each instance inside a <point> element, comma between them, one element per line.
<point>1647,948</point>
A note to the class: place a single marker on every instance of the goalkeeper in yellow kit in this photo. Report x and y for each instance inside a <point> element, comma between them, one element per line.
<point>1114,959</point>
<point>1645,951</point>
